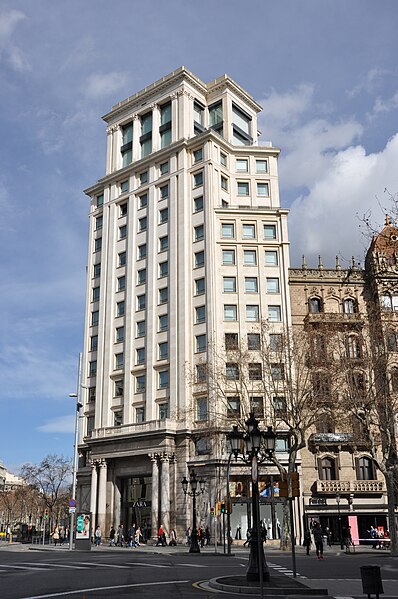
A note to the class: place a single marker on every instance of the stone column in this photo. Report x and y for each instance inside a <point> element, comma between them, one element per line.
<point>155,496</point>
<point>101,516</point>
<point>116,503</point>
<point>165,492</point>
<point>93,493</point>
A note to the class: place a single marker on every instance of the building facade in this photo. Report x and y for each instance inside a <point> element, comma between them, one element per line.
<point>188,252</point>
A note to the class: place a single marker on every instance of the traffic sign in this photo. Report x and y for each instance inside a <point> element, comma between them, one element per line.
<point>72,510</point>
<point>72,503</point>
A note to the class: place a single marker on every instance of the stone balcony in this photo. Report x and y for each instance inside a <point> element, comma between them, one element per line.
<point>335,318</point>
<point>150,426</point>
<point>357,487</point>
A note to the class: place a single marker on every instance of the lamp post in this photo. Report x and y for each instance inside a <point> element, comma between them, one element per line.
<point>338,499</point>
<point>253,448</point>
<point>75,466</point>
<point>194,492</point>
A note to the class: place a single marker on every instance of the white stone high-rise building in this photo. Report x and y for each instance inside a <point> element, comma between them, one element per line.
<point>188,243</point>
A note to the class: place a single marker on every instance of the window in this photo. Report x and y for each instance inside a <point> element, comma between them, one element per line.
<point>99,222</point>
<point>274,313</point>
<point>200,343</point>
<point>231,341</point>
<point>118,418</point>
<point>223,159</point>
<point>198,204</point>
<point>163,216</point>
<point>277,372</point>
<point>92,393</point>
<point>164,192</point>
<point>224,183</point>
<point>163,323</point>
<point>243,188</point>
<point>269,231</point>
<point>321,386</point>
<point>201,408</point>
<point>229,284</point>
<point>94,343</point>
<point>251,285</point>
<point>141,302</point>
<point>349,306</point>
<point>201,373</point>
<point>353,347</point>
<point>275,342</point>
<point>198,117</point>
<point>279,404</point>
<point>230,312</point>
<point>327,469</point>
<point>99,200</point>
<point>248,231</point>
<point>163,411</point>
<point>121,283</point>
<point>119,388</point>
<point>140,383</point>
<point>96,294</point>
<point>250,257</point>
<point>123,232</point>
<point>231,371</point>
<point>241,165</point>
<point>141,276</point>
<point>123,209</point>
<point>92,368</point>
<point>142,224</point>
<point>165,125</point>
<point>389,302</point>
<point>121,259</point>
<point>200,314</point>
<point>120,306</point>
<point>272,285</point>
<point>119,334</point>
<point>198,179</point>
<point>199,233</point>
<point>282,444</point>
<point>164,168</point>
<point>216,117</point>
<point>228,257</point>
<point>163,350</point>
<point>255,372</point>
<point>124,186</point>
<point>200,286</point>
<point>271,258</point>
<point>262,189</point>
<point>97,270</point>
<point>143,201</point>
<point>140,415</point>
<point>163,295</point>
<point>261,166</point>
<point>199,259</point>
<point>252,313</point>
<point>257,406</point>
<point>119,361</point>
<point>163,379</point>
<point>233,407</point>
<point>163,269</point>
<point>90,424</point>
<point>141,328</point>
<point>146,134</point>
<point>143,177</point>
<point>241,126</point>
<point>227,230</point>
<point>315,305</point>
<point>97,244</point>
<point>198,155</point>
<point>126,149</point>
<point>142,251</point>
<point>163,243</point>
<point>253,341</point>
<point>392,341</point>
<point>365,469</point>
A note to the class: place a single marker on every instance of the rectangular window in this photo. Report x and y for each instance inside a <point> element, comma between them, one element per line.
<point>279,406</point>
<point>97,244</point>
<point>242,165</point>
<point>198,155</point>
<point>243,188</point>
<point>92,393</point>
<point>200,343</point>
<point>92,368</point>
<point>99,200</point>
<point>163,269</point>
<point>146,134</point>
<point>90,424</point>
<point>231,341</point>
<point>163,323</point>
<point>248,231</point>
<point>142,224</point>
<point>231,371</point>
<point>97,270</point>
<point>252,313</point>
<point>198,117</point>
<point>257,406</point>
<point>120,307</point>
<point>262,189</point>
<point>274,313</point>
<point>126,149</point>
<point>143,177</point>
<point>199,259</point>
<point>271,258</point>
<point>118,418</point>
<point>272,285</point>
<point>140,355</point>
<point>261,166</point>
<point>99,222</point>
<point>123,208</point>
<point>164,168</point>
<point>124,186</point>
<point>198,204</point>
<point>229,284</point>
<point>230,312</point>
<point>255,372</point>
<point>141,302</point>
<point>275,342</point>
<point>121,259</point>
<point>250,257</point>
<point>198,179</point>
<point>142,251</point>
<point>143,201</point>
<point>253,341</point>
<point>163,295</point>
<point>119,361</point>
<point>200,314</point>
<point>140,383</point>
<point>141,276</point>
<point>228,257</point>
<point>163,243</point>
<point>216,117</point>
<point>163,216</point>
<point>223,159</point>
<point>94,318</point>
<point>141,328</point>
<point>139,415</point>
<point>165,125</point>
<point>94,343</point>
<point>119,334</point>
<point>269,231</point>
<point>163,411</point>
<point>163,379</point>
<point>201,373</point>
<point>224,183</point>
<point>227,230</point>
<point>233,407</point>
<point>123,232</point>
<point>121,283</point>
<point>277,372</point>
<point>163,350</point>
<point>199,233</point>
<point>251,285</point>
<point>164,192</point>
<point>200,286</point>
<point>201,409</point>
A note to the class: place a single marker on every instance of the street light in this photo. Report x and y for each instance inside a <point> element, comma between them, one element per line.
<point>194,492</point>
<point>338,499</point>
<point>254,447</point>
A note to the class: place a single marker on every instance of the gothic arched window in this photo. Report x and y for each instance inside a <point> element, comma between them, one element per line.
<point>315,305</point>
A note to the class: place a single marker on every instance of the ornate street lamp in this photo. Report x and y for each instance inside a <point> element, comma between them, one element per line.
<point>194,492</point>
<point>253,448</point>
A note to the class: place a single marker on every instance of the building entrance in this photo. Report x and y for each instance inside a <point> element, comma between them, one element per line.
<point>136,504</point>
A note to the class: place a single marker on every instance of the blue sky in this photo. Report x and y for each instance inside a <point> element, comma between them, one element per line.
<point>326,74</point>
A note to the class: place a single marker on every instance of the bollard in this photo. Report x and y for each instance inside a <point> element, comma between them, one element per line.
<point>371,581</point>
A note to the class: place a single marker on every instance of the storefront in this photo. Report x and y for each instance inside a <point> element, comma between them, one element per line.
<point>137,503</point>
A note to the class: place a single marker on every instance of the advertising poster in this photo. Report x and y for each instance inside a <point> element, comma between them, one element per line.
<point>83,526</point>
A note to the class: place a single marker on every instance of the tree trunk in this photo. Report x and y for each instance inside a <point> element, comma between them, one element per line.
<point>392,529</point>
<point>285,536</point>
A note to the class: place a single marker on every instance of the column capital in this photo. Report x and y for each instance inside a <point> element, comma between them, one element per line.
<point>93,464</point>
<point>153,457</point>
<point>112,128</point>
<point>102,463</point>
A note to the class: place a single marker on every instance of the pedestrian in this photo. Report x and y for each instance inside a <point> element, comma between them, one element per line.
<point>160,536</point>
<point>56,536</point>
<point>120,535</point>
<point>238,534</point>
<point>131,536</point>
<point>307,541</point>
<point>8,532</point>
<point>97,537</point>
<point>328,536</point>
<point>112,534</point>
<point>173,538</point>
<point>318,539</point>
<point>207,536</point>
<point>138,536</point>
<point>348,539</point>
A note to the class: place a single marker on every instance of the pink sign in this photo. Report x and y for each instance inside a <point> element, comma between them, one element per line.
<point>353,522</point>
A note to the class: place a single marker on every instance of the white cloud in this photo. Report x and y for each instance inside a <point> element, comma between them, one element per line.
<point>104,84</point>
<point>9,51</point>
<point>382,105</point>
<point>61,424</point>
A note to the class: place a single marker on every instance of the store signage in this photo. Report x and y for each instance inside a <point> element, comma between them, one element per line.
<point>317,500</point>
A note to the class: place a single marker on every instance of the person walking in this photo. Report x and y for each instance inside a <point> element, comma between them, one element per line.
<point>120,535</point>
<point>307,541</point>
<point>56,536</point>
<point>138,536</point>
<point>318,539</point>
<point>97,537</point>
<point>161,536</point>
<point>173,538</point>
<point>112,534</point>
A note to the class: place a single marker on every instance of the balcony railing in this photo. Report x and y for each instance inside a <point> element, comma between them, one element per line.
<point>334,318</point>
<point>144,427</point>
<point>327,439</point>
<point>331,487</point>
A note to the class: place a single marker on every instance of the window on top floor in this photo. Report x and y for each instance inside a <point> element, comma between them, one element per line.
<point>165,125</point>
<point>146,134</point>
<point>216,117</point>
<point>241,127</point>
<point>126,149</point>
<point>99,200</point>
<point>198,117</point>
